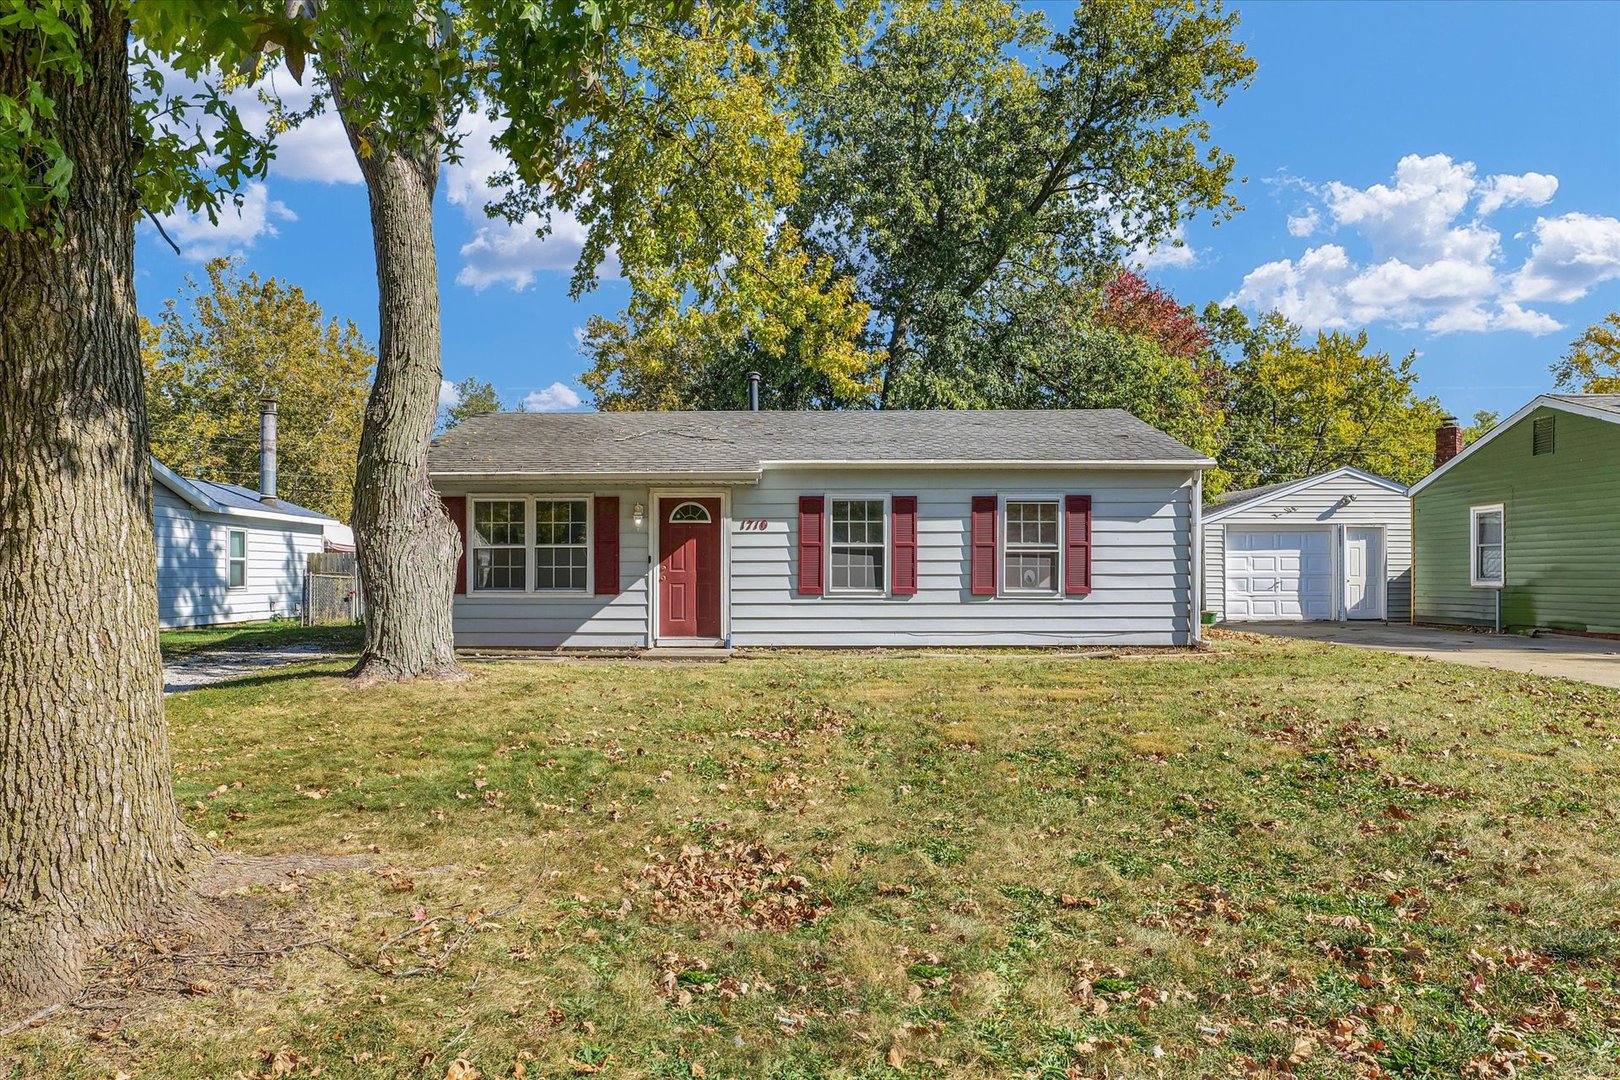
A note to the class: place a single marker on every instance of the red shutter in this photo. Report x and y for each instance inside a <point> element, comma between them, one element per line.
<point>456,507</point>
<point>812,565</point>
<point>1077,541</point>
<point>606,544</point>
<point>903,512</point>
<point>983,580</point>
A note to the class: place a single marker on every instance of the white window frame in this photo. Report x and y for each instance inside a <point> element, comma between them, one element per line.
<point>1002,590</point>
<point>473,545</point>
<point>590,544</point>
<point>887,545</point>
<point>1474,514</point>
<point>231,560</point>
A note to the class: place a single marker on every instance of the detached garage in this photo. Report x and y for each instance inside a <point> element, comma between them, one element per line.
<point>1329,547</point>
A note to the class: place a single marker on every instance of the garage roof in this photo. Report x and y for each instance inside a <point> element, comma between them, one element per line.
<point>1230,503</point>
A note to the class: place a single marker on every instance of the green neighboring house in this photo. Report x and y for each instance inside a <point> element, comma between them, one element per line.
<point>1522,528</point>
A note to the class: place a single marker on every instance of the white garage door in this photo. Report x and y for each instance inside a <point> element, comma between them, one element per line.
<point>1278,574</point>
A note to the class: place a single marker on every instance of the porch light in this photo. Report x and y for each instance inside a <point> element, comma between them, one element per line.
<point>638,515</point>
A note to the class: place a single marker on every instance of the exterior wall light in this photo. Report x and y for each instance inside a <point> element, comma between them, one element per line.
<point>639,515</point>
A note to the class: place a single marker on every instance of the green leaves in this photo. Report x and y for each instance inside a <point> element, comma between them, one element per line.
<point>34,169</point>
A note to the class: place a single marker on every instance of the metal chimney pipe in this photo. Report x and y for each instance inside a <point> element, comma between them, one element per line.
<point>267,451</point>
<point>753,391</point>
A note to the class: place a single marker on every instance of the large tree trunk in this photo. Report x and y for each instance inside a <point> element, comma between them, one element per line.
<point>91,844</point>
<point>406,543</point>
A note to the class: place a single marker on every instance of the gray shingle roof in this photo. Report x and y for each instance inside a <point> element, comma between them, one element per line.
<point>676,443</point>
<point>1238,498</point>
<point>1606,402</point>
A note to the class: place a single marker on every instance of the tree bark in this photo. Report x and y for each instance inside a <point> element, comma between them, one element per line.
<point>91,843</point>
<point>406,545</point>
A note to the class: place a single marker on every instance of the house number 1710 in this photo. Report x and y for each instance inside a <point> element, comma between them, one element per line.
<point>753,525</point>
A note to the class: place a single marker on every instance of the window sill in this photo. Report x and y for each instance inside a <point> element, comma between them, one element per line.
<point>526,594</point>
<point>844,595</point>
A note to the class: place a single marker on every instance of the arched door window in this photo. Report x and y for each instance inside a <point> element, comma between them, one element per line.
<point>690,513</point>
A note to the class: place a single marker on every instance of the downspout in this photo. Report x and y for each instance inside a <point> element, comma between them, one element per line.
<point>1197,560</point>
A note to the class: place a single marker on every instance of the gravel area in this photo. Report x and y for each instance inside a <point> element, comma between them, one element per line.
<point>217,665</point>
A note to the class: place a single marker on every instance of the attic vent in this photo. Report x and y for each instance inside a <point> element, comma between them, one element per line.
<point>1543,433</point>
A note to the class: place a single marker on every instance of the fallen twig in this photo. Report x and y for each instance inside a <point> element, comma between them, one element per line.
<point>43,1014</point>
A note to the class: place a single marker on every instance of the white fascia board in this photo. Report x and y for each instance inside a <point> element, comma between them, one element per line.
<point>460,477</point>
<point>977,463</point>
<point>1302,485</point>
<point>1545,401</point>
<point>200,501</point>
<point>191,493</point>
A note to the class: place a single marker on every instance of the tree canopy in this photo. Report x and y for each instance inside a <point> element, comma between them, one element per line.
<point>1592,364</point>
<point>958,162</point>
<point>469,397</point>
<point>212,356</point>
<point>1299,407</point>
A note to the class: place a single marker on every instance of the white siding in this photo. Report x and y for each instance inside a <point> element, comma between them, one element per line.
<point>534,620</point>
<point>1318,506</point>
<point>192,565</point>
<point>1140,569</point>
<point>1140,565</point>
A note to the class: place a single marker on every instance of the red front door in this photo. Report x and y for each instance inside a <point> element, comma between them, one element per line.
<point>689,568</point>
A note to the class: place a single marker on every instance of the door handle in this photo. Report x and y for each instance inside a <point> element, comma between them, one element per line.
<point>661,574</point>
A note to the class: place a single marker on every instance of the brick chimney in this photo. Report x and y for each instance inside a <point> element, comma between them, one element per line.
<point>1448,441</point>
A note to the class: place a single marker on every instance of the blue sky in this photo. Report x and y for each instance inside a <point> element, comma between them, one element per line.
<point>1446,175</point>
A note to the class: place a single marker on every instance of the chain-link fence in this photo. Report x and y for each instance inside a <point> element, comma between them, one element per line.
<point>332,589</point>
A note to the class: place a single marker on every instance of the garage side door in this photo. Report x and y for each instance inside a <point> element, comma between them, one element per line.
<point>1278,574</point>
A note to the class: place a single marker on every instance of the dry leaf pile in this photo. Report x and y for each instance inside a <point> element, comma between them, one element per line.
<point>734,883</point>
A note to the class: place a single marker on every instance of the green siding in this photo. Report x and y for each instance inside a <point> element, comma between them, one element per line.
<point>1562,516</point>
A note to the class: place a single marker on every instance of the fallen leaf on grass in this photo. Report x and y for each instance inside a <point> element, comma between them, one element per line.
<point>461,1069</point>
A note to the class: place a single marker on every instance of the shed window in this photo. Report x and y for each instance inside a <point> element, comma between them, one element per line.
<point>858,546</point>
<point>236,560</point>
<point>1031,548</point>
<point>562,548</point>
<point>1486,535</point>
<point>1543,434</point>
<point>500,545</point>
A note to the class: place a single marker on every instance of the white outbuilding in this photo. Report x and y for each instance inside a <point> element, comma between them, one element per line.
<point>1334,546</point>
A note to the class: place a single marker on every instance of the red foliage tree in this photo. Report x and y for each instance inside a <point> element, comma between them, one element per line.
<point>1131,306</point>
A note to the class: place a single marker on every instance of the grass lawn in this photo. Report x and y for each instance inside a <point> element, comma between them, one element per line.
<point>260,635</point>
<point>1282,859</point>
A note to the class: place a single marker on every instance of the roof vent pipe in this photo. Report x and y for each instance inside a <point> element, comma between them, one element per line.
<point>267,451</point>
<point>753,391</point>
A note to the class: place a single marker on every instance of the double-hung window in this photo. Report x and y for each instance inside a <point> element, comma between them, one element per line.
<point>562,553</point>
<point>1487,548</point>
<point>1031,547</point>
<point>236,559</point>
<point>858,545</point>
<point>499,541</point>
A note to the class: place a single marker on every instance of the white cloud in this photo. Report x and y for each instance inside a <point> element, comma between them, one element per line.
<point>449,396</point>
<point>238,228</point>
<point>1531,189</point>
<point>1303,225</point>
<point>1173,251</point>
<point>1430,260</point>
<point>1308,291</point>
<point>1572,253</point>
<point>501,251</point>
<point>554,398</point>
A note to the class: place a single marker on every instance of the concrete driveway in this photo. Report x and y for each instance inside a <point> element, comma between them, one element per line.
<point>1587,659</point>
